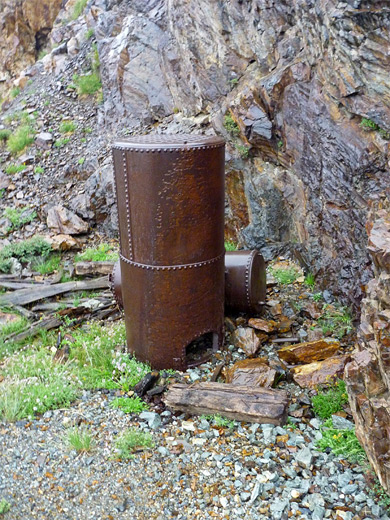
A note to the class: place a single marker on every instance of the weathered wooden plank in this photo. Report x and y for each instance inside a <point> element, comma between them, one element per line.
<point>35,293</point>
<point>46,324</point>
<point>242,403</point>
<point>83,268</point>
<point>20,285</point>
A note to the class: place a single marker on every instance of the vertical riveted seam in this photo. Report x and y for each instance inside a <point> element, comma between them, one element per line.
<point>127,198</point>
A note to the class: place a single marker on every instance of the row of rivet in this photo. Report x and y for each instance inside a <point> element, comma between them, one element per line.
<point>247,267</point>
<point>165,150</point>
<point>128,221</point>
<point>171,267</point>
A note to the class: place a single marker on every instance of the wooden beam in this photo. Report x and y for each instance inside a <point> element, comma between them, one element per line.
<point>241,403</point>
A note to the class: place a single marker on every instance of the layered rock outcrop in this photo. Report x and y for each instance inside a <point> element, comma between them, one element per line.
<point>24,28</point>
<point>368,374</point>
<point>296,79</point>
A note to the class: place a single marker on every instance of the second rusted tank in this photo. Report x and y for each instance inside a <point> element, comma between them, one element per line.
<point>245,282</point>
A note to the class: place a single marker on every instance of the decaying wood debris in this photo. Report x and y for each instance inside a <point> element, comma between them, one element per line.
<point>38,300</point>
<point>241,403</point>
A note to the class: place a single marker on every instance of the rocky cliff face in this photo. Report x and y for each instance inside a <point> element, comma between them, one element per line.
<point>24,28</point>
<point>296,79</point>
<point>368,375</point>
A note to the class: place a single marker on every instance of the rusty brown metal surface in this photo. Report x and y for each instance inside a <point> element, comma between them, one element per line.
<point>245,281</point>
<point>170,195</point>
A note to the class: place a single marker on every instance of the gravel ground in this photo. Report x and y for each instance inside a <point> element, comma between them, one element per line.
<point>195,470</point>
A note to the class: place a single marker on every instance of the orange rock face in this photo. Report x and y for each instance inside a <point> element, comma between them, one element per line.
<point>309,351</point>
<point>319,372</point>
<point>251,372</point>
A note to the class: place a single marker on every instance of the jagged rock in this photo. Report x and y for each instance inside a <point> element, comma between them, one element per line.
<point>63,221</point>
<point>368,374</point>
<point>246,339</point>
<point>319,372</point>
<point>268,326</point>
<point>309,351</point>
<point>63,242</point>
<point>5,181</point>
<point>44,140</point>
<point>251,372</point>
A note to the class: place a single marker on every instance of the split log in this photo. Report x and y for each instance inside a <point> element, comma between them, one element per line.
<point>83,268</point>
<point>35,293</point>
<point>241,403</point>
<point>46,324</point>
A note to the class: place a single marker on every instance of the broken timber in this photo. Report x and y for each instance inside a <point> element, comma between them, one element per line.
<point>241,403</point>
<point>83,268</point>
<point>39,292</point>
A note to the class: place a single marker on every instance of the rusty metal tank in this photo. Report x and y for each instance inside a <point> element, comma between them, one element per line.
<point>245,281</point>
<point>170,195</point>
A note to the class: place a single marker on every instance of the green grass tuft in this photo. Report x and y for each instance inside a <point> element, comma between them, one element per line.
<point>327,403</point>
<point>88,84</point>
<point>78,8</point>
<point>79,439</point>
<point>4,134</point>
<point>59,143</point>
<point>336,321</point>
<point>102,253</point>
<point>342,442</point>
<point>4,506</point>
<point>47,265</point>
<point>130,404</point>
<point>310,280</point>
<point>285,276</point>
<point>67,127</point>
<point>132,440</point>
<point>14,168</point>
<point>25,251</point>
<point>230,246</point>
<point>19,217</point>
<point>23,137</point>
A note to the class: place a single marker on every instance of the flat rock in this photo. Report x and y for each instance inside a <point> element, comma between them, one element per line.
<point>309,351</point>
<point>63,242</point>
<point>44,140</point>
<point>246,339</point>
<point>5,181</point>
<point>63,221</point>
<point>319,372</point>
<point>251,372</point>
<point>263,325</point>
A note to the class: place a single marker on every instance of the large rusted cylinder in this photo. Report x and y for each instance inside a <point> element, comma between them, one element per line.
<point>246,284</point>
<point>170,195</point>
<point>245,281</point>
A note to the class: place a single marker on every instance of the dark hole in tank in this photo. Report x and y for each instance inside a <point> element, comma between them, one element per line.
<point>201,348</point>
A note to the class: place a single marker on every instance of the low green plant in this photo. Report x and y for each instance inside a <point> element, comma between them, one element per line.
<point>291,424</point>
<point>38,169</point>
<point>89,34</point>
<point>18,141</point>
<point>233,81</point>
<point>4,134</point>
<point>330,401</point>
<point>47,265</point>
<point>243,150</point>
<point>88,84</point>
<point>78,8</point>
<point>132,440</point>
<point>15,92</point>
<point>230,246</point>
<point>4,506</point>
<point>219,420</point>
<point>130,404</point>
<point>342,442</point>
<point>336,321</point>
<point>19,217</point>
<point>102,253</point>
<point>381,496</point>
<point>280,144</point>
<point>87,130</point>
<point>310,280</point>
<point>231,125</point>
<point>369,125</point>
<point>14,168</point>
<point>81,161</point>
<point>284,276</point>
<point>317,297</point>
<point>59,143</point>
<point>25,251</point>
<point>79,439</point>
<point>67,127</point>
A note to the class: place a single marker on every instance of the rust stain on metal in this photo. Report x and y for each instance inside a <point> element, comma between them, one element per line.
<point>170,194</point>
